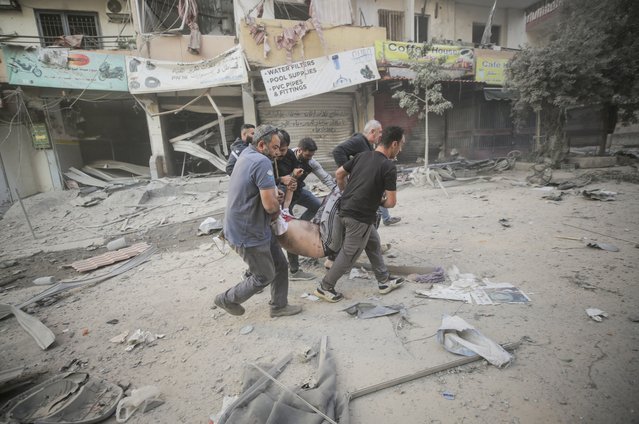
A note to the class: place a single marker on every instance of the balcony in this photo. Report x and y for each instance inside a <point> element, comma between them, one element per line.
<point>337,39</point>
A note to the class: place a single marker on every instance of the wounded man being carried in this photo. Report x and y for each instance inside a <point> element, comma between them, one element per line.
<point>320,237</point>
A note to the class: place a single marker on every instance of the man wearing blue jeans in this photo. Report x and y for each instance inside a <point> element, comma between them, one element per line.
<point>363,142</point>
<point>252,203</point>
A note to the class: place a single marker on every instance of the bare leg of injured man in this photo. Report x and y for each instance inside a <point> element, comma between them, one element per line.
<point>320,237</point>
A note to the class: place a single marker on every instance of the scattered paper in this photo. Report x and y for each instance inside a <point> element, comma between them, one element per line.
<point>596,314</point>
<point>359,273</point>
<point>467,288</point>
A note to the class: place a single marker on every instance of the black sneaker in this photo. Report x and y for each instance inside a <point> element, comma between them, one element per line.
<point>231,308</point>
<point>300,275</point>
<point>392,220</point>
<point>328,295</point>
<point>285,311</point>
<point>391,284</point>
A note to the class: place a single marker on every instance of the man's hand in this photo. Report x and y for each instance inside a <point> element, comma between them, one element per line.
<point>286,179</point>
<point>297,172</point>
<point>280,196</point>
<point>292,186</point>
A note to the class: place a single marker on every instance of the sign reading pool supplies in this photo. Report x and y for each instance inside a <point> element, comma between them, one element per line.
<point>319,75</point>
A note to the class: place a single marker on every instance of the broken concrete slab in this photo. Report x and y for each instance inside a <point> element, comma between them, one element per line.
<point>593,161</point>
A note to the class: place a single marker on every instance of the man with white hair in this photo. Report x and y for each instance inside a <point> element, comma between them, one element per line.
<point>363,142</point>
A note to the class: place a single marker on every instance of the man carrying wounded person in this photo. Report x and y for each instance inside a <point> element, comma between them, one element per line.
<point>373,180</point>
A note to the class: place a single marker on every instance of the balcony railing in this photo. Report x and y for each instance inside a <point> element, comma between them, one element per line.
<point>105,42</point>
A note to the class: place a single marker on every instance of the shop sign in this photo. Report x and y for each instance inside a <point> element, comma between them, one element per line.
<point>459,59</point>
<point>491,66</point>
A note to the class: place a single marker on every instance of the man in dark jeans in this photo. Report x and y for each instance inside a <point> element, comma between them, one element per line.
<point>298,164</point>
<point>252,203</point>
<point>363,142</point>
<point>240,143</point>
<point>367,181</point>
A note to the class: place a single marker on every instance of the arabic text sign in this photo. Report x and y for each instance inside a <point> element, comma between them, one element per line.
<point>491,66</point>
<point>77,70</point>
<point>398,53</point>
<point>320,75</point>
<point>154,76</point>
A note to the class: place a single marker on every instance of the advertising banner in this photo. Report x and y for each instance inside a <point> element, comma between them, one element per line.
<point>155,76</point>
<point>310,77</point>
<point>64,68</point>
<point>491,66</point>
<point>395,53</point>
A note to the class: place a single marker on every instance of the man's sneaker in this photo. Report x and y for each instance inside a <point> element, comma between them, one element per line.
<point>301,275</point>
<point>392,220</point>
<point>231,308</point>
<point>328,295</point>
<point>391,284</point>
<point>285,311</point>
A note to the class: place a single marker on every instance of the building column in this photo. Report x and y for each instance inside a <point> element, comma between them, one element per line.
<point>248,105</point>
<point>409,20</point>
<point>160,162</point>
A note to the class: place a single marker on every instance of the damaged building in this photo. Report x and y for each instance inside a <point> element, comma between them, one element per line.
<point>167,85</point>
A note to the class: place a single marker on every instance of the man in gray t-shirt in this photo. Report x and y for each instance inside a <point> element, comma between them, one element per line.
<point>252,203</point>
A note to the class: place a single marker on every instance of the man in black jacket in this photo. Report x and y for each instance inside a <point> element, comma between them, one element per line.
<point>240,143</point>
<point>363,142</point>
<point>366,181</point>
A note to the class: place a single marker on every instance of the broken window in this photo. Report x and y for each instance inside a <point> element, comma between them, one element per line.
<point>54,24</point>
<point>9,5</point>
<point>213,17</point>
<point>293,11</point>
<point>421,28</point>
<point>478,32</point>
<point>393,21</point>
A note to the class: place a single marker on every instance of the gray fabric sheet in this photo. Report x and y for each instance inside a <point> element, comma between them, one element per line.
<point>275,406</point>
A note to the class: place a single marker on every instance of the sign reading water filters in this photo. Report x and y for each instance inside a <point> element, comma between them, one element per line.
<point>319,75</point>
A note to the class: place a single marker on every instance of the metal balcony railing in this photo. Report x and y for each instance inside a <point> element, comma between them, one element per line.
<point>105,42</point>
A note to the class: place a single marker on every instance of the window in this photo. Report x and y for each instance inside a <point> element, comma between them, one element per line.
<point>421,28</point>
<point>291,11</point>
<point>394,23</point>
<point>52,25</point>
<point>478,32</point>
<point>9,5</point>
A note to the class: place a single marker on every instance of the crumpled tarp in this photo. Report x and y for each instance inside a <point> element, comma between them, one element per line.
<point>275,406</point>
<point>457,336</point>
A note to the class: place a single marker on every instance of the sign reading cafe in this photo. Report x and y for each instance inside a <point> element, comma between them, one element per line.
<point>310,77</point>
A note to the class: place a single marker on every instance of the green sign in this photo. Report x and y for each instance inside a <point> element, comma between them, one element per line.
<point>40,136</point>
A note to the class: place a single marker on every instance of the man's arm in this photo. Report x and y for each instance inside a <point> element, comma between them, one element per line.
<point>341,174</point>
<point>323,176</point>
<point>339,155</point>
<point>390,199</point>
<point>230,164</point>
<point>269,200</point>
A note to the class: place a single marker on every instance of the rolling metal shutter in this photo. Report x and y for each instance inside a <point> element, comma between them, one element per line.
<point>326,118</point>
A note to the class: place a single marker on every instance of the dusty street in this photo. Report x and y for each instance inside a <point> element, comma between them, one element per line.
<point>568,369</point>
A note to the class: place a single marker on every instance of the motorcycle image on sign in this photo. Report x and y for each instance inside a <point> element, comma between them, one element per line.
<point>17,65</point>
<point>106,72</point>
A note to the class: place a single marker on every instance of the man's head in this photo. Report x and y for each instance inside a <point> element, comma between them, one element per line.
<point>285,141</point>
<point>246,134</point>
<point>306,148</point>
<point>393,140</point>
<point>373,131</point>
<point>267,140</point>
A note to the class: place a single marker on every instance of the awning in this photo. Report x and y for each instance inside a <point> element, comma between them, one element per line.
<point>498,93</point>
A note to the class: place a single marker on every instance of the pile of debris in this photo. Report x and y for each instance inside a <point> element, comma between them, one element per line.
<point>107,174</point>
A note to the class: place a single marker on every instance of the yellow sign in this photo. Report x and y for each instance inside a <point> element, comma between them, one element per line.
<point>491,66</point>
<point>396,53</point>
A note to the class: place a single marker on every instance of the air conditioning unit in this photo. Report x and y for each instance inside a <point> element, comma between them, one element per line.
<point>118,11</point>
